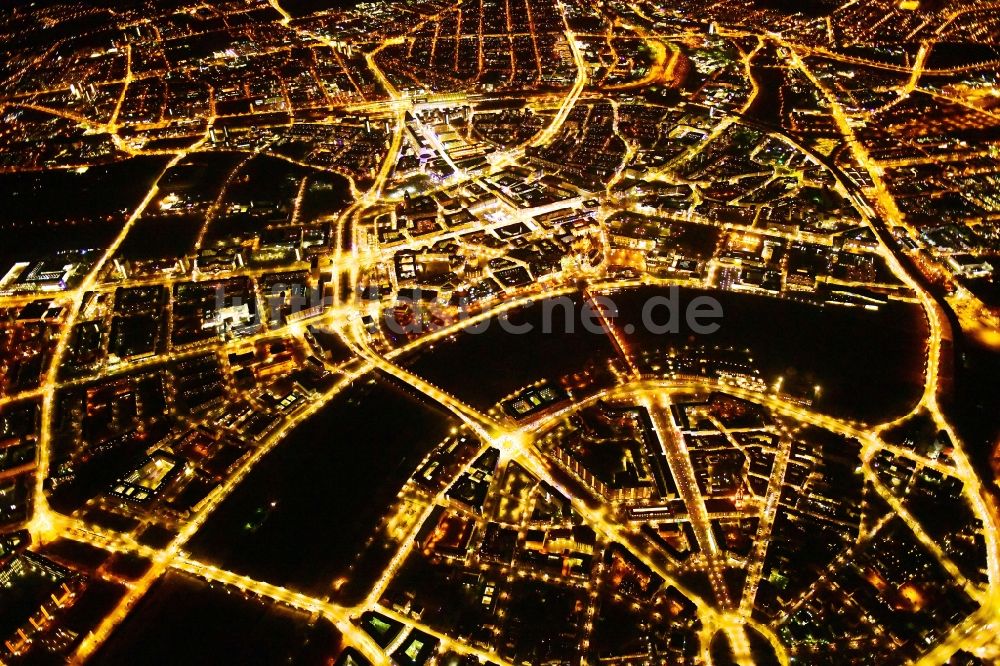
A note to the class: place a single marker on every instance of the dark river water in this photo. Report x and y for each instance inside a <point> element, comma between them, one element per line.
<point>867,363</point>
<point>184,620</point>
<point>330,482</point>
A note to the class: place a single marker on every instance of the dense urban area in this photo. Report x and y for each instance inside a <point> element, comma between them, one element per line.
<point>470,332</point>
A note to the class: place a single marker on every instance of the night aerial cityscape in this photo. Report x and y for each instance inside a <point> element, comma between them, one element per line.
<point>500,332</point>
